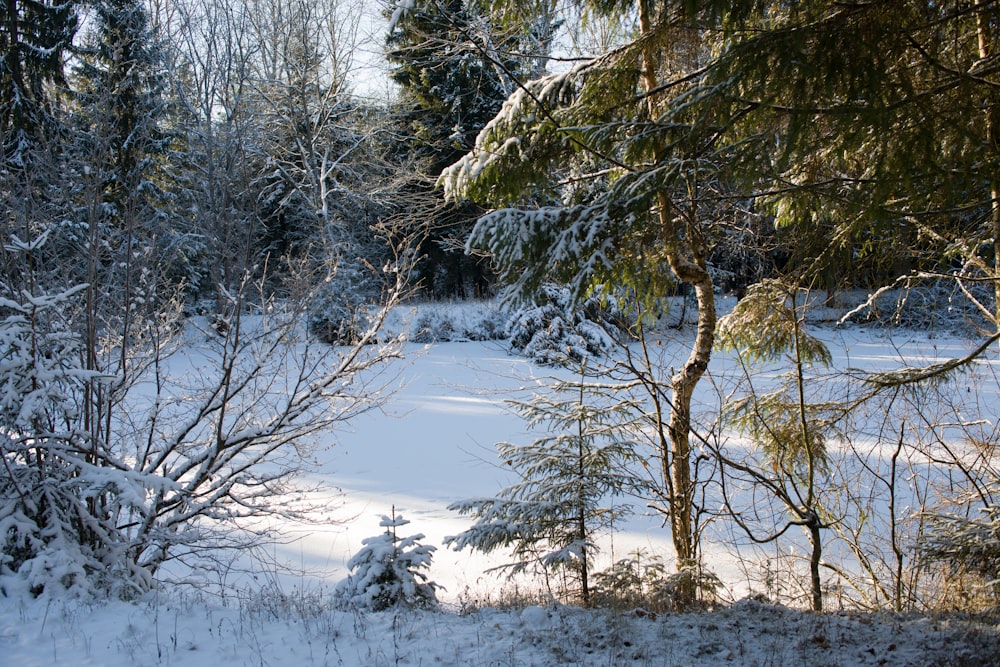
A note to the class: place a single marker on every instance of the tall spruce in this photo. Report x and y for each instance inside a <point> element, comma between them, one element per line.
<point>120,84</point>
<point>454,69</point>
<point>34,38</point>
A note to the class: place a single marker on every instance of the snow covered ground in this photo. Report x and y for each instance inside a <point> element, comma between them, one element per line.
<point>302,630</point>
<point>431,446</point>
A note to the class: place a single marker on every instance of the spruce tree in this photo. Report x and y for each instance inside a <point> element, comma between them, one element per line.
<point>572,487</point>
<point>454,70</point>
<point>120,84</point>
<point>35,38</point>
<point>389,571</point>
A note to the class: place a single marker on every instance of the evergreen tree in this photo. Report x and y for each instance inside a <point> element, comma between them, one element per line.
<point>454,73</point>
<point>120,84</point>
<point>389,571</point>
<point>638,184</point>
<point>570,479</point>
<point>49,531</point>
<point>788,427</point>
<point>967,543</point>
<point>34,40</point>
<point>454,69</point>
<point>119,148</point>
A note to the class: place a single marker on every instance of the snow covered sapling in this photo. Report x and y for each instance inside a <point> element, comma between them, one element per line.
<point>388,571</point>
<point>569,481</point>
<point>51,488</point>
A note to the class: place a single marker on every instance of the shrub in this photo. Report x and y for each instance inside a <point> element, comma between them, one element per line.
<point>388,571</point>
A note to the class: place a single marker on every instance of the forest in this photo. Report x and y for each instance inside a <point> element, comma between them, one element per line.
<point>212,208</point>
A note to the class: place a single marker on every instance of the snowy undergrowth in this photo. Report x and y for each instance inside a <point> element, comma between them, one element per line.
<point>307,629</point>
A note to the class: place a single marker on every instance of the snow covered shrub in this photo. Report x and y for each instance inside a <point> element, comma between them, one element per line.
<point>632,582</point>
<point>135,447</point>
<point>555,331</point>
<point>388,571</point>
<point>967,544</point>
<point>940,304</point>
<point>439,322</point>
<point>54,529</point>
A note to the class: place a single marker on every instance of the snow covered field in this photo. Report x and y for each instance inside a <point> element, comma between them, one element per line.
<point>301,630</point>
<point>433,445</point>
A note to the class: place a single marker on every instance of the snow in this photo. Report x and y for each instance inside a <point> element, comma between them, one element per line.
<point>433,445</point>
<point>300,629</point>
<point>398,12</point>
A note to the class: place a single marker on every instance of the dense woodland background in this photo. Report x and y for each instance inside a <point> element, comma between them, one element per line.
<point>590,164</point>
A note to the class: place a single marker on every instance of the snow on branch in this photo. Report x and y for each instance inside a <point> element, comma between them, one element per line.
<point>399,12</point>
<point>537,245</point>
<point>523,127</point>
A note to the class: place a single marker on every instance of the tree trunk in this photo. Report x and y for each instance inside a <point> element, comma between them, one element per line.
<point>687,258</point>
<point>814,561</point>
<point>986,49</point>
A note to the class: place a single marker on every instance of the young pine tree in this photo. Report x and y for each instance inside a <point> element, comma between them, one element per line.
<point>570,488</point>
<point>388,571</point>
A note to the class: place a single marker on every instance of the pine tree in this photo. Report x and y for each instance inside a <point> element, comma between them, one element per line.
<point>454,70</point>
<point>571,480</point>
<point>389,571</point>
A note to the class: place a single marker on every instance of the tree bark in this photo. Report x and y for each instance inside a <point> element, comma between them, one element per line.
<point>815,539</point>
<point>984,32</point>
<point>687,258</point>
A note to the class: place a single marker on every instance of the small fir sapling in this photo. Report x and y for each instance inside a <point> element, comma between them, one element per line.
<point>570,479</point>
<point>388,571</point>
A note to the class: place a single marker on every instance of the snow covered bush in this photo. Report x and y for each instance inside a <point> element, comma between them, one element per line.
<point>971,544</point>
<point>388,571</point>
<point>555,331</point>
<point>942,304</point>
<point>437,322</point>
<point>634,582</point>
<point>55,527</point>
<point>136,447</point>
<point>340,313</point>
